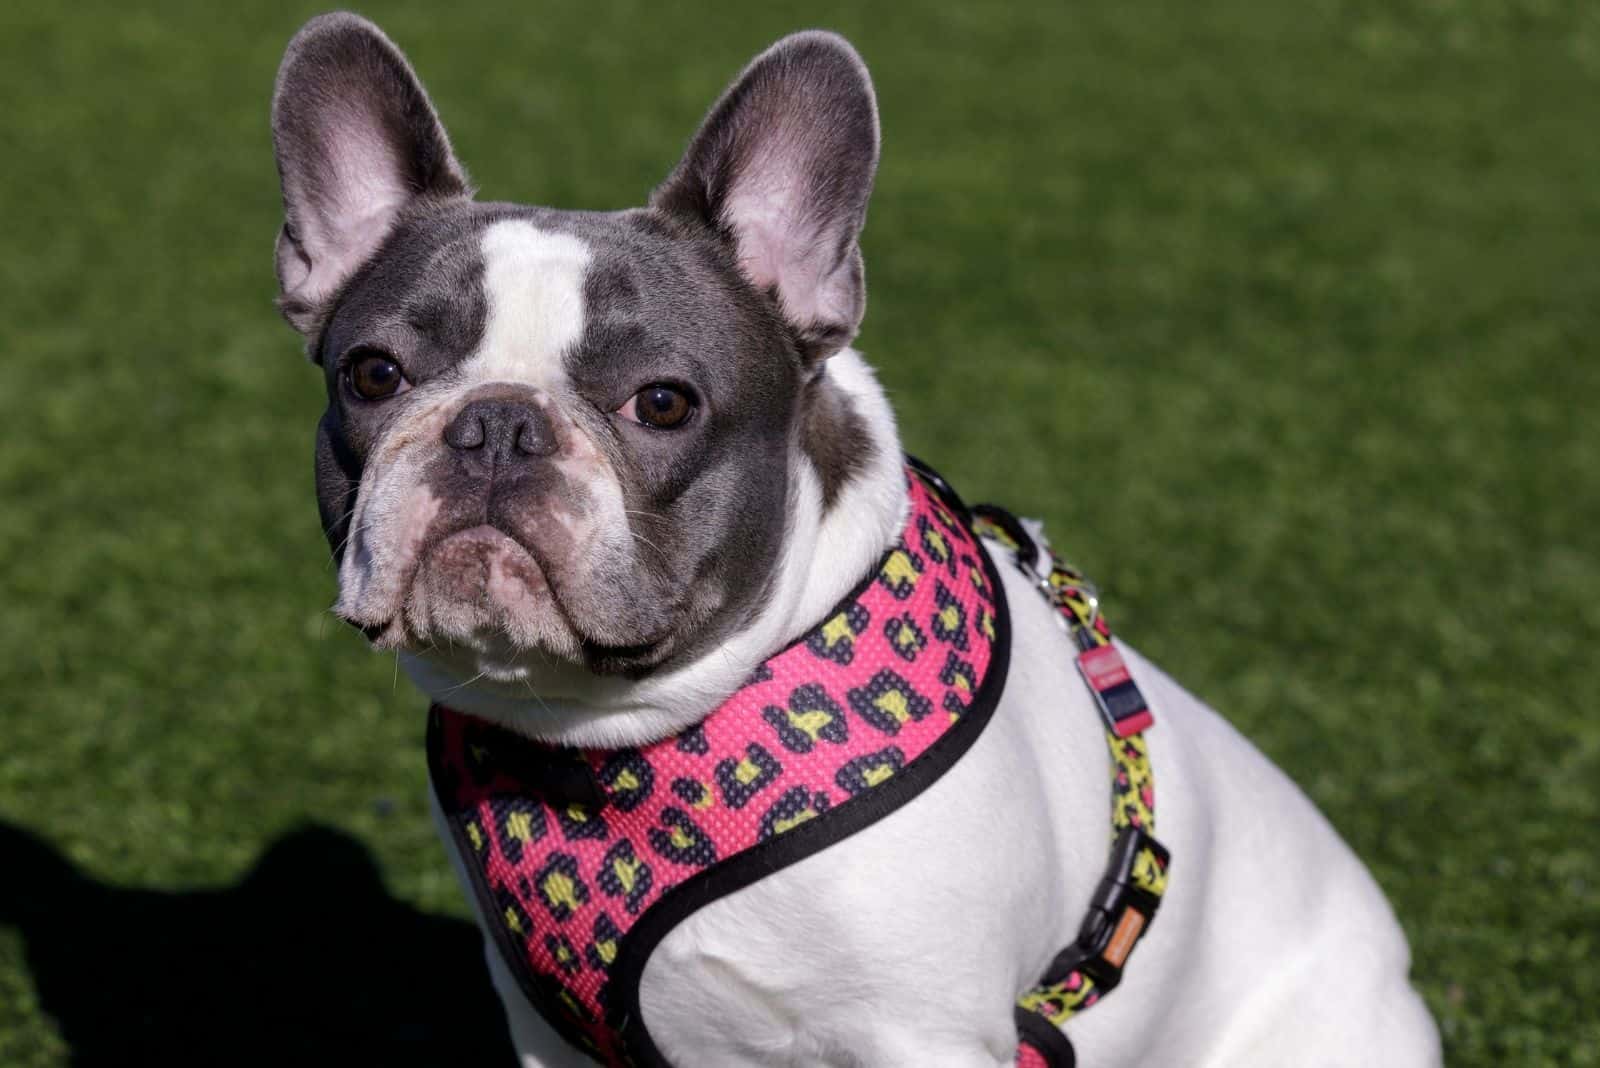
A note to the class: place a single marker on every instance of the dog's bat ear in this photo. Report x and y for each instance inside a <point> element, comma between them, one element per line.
<point>357,143</point>
<point>782,168</point>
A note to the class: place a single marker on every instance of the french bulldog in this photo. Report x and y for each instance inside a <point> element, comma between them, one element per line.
<point>587,471</point>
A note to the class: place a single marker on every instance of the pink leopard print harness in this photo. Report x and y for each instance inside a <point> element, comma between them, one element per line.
<point>583,860</point>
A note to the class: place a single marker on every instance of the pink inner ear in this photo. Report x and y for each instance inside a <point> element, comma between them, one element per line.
<point>780,248</point>
<point>350,211</point>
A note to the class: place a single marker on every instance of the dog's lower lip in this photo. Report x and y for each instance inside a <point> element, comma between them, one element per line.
<point>628,652</point>
<point>633,660</point>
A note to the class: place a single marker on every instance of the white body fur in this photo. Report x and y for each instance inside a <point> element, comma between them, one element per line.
<point>1273,947</point>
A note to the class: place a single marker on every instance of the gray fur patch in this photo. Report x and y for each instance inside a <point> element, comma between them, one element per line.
<point>833,436</point>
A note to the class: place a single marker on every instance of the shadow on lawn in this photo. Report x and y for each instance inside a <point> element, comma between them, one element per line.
<point>307,960</point>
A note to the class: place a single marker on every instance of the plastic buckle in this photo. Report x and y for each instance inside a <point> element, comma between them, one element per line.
<point>1120,913</point>
<point>1122,706</point>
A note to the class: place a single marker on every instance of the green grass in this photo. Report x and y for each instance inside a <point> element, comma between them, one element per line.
<point>1283,315</point>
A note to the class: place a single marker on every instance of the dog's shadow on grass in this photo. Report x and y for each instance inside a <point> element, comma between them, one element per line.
<point>307,960</point>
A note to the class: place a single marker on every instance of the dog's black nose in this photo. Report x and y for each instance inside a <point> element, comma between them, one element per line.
<point>503,429</point>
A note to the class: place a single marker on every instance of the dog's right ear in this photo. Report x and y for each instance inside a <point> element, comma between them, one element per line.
<point>357,142</point>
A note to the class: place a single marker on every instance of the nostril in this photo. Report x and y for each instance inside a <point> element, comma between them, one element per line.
<point>465,431</point>
<point>535,438</point>
<point>503,430</point>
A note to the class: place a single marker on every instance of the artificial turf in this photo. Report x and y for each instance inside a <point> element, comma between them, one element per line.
<point>1282,315</point>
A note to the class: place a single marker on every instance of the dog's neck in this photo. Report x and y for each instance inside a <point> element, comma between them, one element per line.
<point>827,548</point>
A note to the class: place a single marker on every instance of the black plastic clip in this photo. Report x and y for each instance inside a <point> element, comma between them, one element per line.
<point>1119,914</point>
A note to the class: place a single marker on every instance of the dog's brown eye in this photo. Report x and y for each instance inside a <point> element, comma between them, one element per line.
<point>662,407</point>
<point>373,376</point>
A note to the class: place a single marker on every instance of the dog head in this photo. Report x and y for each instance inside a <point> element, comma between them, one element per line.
<point>570,442</point>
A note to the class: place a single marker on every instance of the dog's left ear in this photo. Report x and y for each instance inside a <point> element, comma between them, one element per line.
<point>782,168</point>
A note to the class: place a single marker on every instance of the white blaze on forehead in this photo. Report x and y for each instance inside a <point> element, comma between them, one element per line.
<point>533,280</point>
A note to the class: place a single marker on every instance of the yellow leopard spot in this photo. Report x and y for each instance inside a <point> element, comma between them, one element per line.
<point>626,780</point>
<point>606,950</point>
<point>812,723</point>
<point>905,638</point>
<point>899,570</point>
<point>627,873</point>
<point>878,774</point>
<point>837,630</point>
<point>560,890</point>
<point>680,838</point>
<point>475,834</point>
<point>707,799</point>
<point>746,772</point>
<point>936,545</point>
<point>577,813</point>
<point>519,825</point>
<point>792,822</point>
<point>894,703</point>
<point>949,618</point>
<point>513,921</point>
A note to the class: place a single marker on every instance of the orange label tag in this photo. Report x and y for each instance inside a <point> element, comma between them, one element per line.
<point>1123,938</point>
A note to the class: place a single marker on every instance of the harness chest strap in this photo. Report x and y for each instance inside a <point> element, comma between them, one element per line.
<point>583,860</point>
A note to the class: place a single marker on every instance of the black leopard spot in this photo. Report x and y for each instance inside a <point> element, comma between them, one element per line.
<point>975,575</point>
<point>741,779</point>
<point>578,823</point>
<point>607,939</point>
<point>680,841</point>
<point>560,886</point>
<point>949,618</point>
<point>865,772</point>
<point>936,544</point>
<point>888,702</point>
<point>692,792</point>
<point>623,874</point>
<point>901,571</point>
<point>517,824</point>
<point>836,639</point>
<point>811,716</point>
<point>512,915</point>
<point>693,740</point>
<point>563,953</point>
<point>905,637</point>
<point>628,779</point>
<point>960,675</point>
<point>796,806</point>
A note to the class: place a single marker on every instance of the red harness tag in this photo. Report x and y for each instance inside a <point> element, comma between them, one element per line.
<point>1122,706</point>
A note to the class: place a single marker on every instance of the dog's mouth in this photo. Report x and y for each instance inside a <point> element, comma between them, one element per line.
<point>484,588</point>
